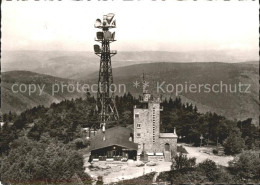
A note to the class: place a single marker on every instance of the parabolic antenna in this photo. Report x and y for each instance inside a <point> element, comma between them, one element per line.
<point>107,35</point>
<point>110,17</point>
<point>97,48</point>
<point>104,17</point>
<point>98,23</point>
<point>100,35</point>
<point>113,23</point>
<point>113,36</point>
<point>105,23</point>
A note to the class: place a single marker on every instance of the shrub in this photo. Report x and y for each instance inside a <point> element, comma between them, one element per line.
<point>187,176</point>
<point>31,162</point>
<point>215,151</point>
<point>99,180</point>
<point>181,149</point>
<point>209,167</point>
<point>246,165</point>
<point>79,143</point>
<point>234,143</point>
<point>181,161</point>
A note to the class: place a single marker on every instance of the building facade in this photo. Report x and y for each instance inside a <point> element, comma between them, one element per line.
<point>115,144</point>
<point>158,146</point>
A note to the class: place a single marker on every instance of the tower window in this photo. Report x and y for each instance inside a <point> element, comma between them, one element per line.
<point>138,125</point>
<point>138,135</point>
<point>136,115</point>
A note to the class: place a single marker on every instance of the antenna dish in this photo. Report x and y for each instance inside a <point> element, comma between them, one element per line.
<point>110,17</point>
<point>105,23</point>
<point>97,48</point>
<point>98,23</point>
<point>107,35</point>
<point>104,17</point>
<point>113,36</point>
<point>113,24</point>
<point>100,35</point>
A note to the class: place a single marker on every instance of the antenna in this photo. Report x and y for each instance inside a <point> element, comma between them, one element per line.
<point>106,106</point>
<point>144,82</point>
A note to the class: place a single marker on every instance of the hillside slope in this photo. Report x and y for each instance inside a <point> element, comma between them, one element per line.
<point>235,105</point>
<point>232,105</point>
<point>16,101</point>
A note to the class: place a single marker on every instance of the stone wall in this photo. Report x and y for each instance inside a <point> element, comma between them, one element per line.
<point>149,121</point>
<point>171,141</point>
<point>142,119</point>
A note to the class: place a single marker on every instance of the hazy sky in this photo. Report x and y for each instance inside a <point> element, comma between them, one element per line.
<point>141,25</point>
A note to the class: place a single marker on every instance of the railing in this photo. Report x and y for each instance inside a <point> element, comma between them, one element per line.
<point>111,52</point>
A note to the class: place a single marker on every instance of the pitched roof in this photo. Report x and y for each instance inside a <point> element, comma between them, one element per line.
<point>114,136</point>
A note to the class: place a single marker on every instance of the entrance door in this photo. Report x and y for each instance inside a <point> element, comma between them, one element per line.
<point>167,147</point>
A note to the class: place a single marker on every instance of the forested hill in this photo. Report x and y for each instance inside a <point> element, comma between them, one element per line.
<point>233,105</point>
<point>64,121</point>
<point>19,98</point>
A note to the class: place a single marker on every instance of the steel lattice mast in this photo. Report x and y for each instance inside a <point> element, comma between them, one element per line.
<point>105,96</point>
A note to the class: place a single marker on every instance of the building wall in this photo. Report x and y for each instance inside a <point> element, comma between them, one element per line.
<point>140,133</point>
<point>149,122</point>
<point>171,141</point>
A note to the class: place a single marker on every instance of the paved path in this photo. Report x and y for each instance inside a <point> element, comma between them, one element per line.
<point>203,153</point>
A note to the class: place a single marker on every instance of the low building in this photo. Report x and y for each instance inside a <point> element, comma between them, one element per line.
<point>115,144</point>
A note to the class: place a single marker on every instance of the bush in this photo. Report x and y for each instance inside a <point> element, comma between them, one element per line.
<point>246,165</point>
<point>181,149</point>
<point>234,143</point>
<point>187,176</point>
<point>181,161</point>
<point>215,151</point>
<point>32,162</point>
<point>209,167</point>
<point>79,143</point>
<point>100,180</point>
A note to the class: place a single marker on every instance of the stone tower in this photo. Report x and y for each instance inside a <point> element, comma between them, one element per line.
<point>147,125</point>
<point>147,130</point>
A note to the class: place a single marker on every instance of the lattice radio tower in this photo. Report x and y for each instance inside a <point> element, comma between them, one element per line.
<point>106,106</point>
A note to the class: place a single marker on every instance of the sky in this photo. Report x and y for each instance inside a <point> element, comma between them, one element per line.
<point>141,25</point>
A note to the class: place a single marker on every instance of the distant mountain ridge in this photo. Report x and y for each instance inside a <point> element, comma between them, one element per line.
<point>79,64</point>
<point>127,68</point>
